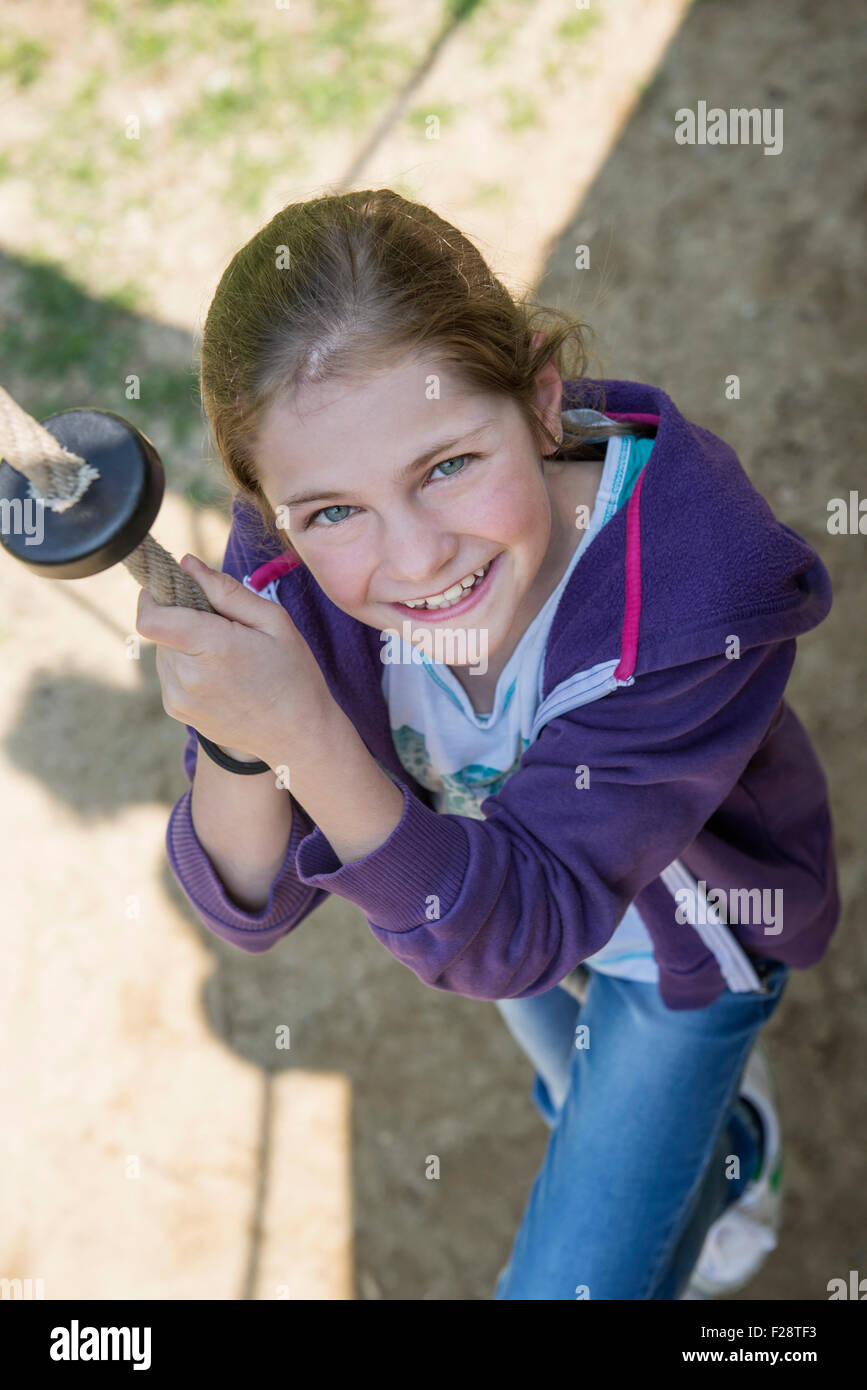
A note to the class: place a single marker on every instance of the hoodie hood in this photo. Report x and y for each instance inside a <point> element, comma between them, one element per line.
<point>695,559</point>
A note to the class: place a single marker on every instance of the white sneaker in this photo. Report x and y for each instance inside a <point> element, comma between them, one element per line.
<point>740,1240</point>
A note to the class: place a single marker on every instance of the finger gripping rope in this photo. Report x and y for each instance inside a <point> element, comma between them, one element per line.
<point>98,483</point>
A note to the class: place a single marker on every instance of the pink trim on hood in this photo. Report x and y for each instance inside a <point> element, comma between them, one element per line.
<point>638,417</point>
<point>632,582</point>
<point>272,569</point>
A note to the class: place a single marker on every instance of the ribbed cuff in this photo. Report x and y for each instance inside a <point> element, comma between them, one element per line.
<point>252,931</point>
<point>414,876</point>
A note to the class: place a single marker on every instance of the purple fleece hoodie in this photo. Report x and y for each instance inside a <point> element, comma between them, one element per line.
<point>693,755</point>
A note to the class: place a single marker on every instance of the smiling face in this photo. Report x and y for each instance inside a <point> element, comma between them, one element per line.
<point>406,496</point>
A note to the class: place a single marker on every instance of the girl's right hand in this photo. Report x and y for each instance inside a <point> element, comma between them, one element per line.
<point>243,676</point>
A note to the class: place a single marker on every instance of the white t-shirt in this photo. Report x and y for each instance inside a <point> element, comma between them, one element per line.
<point>464,757</point>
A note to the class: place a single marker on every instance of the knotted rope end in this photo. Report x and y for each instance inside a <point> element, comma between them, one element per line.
<point>79,483</point>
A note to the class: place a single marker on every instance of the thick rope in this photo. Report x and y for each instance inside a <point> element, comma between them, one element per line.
<point>60,478</point>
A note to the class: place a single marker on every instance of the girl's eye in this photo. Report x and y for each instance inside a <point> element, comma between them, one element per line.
<point>457,459</point>
<point>344,507</point>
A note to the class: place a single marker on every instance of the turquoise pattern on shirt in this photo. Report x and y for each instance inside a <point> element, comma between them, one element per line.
<point>462,793</point>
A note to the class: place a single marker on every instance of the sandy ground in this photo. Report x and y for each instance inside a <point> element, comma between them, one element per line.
<point>156,1144</point>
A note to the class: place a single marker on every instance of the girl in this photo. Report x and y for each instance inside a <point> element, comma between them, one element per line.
<point>521,681</point>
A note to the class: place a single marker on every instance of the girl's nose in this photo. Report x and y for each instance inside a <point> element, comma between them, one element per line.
<point>417,555</point>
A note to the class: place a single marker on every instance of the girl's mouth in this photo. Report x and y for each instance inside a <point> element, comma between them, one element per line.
<point>471,597</point>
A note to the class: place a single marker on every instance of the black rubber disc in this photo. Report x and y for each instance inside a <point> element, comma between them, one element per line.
<point>108,522</point>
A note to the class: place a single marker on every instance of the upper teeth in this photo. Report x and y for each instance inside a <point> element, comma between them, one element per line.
<point>448,596</point>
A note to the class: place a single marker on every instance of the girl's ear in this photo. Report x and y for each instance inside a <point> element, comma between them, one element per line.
<point>548,397</point>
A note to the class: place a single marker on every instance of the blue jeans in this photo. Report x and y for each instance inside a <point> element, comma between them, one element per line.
<point>645,1119</point>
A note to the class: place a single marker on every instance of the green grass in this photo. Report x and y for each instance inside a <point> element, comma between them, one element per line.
<point>214,5</point>
<point>171,396</point>
<point>83,171</point>
<point>522,112</point>
<point>339,74</point>
<point>145,46</point>
<point>417,117</point>
<point>344,24</point>
<point>216,113</point>
<point>130,297</point>
<point>578,25</point>
<point>52,327</point>
<point>249,178</point>
<point>208,490</point>
<point>491,193</point>
<point>84,100</point>
<point>23,59</point>
<point>461,9</point>
<point>494,47</point>
<point>107,12</point>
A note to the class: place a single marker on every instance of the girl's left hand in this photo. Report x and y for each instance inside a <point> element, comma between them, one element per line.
<point>243,676</point>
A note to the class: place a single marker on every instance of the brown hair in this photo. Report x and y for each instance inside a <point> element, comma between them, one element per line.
<point>330,285</point>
